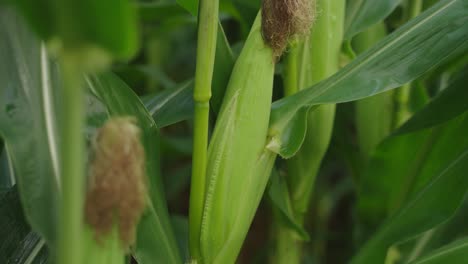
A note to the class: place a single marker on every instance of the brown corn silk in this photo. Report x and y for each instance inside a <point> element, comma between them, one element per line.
<point>284,19</point>
<point>116,189</point>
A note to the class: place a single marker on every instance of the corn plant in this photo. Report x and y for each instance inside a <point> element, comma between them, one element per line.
<point>243,131</point>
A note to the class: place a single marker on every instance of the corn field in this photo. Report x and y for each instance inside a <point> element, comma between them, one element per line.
<point>233,131</point>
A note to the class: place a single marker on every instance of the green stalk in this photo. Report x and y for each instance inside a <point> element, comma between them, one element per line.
<point>415,8</point>
<point>287,248</point>
<point>156,48</point>
<point>374,115</point>
<point>108,250</point>
<point>70,240</point>
<point>402,112</point>
<point>408,183</point>
<point>402,94</point>
<point>321,58</point>
<point>291,82</point>
<point>318,60</point>
<point>207,32</point>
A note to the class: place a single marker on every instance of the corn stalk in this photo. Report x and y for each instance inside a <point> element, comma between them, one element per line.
<point>317,60</point>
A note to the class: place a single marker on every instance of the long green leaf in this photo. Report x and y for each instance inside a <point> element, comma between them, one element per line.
<point>361,14</point>
<point>18,244</point>
<point>181,229</point>
<point>226,6</point>
<point>432,38</point>
<point>171,105</point>
<point>224,62</point>
<point>85,25</point>
<point>444,234</point>
<point>450,103</point>
<point>395,160</point>
<point>155,237</point>
<point>189,5</point>
<point>27,125</point>
<point>6,174</point>
<point>435,201</point>
<point>280,197</point>
<point>453,253</point>
<point>404,164</point>
<point>160,11</point>
<point>27,122</point>
<point>401,158</point>
<point>175,105</point>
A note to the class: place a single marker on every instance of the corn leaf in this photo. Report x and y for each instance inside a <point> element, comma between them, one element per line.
<point>108,25</point>
<point>175,105</point>
<point>24,99</point>
<point>181,230</point>
<point>18,244</point>
<point>440,236</point>
<point>171,105</point>
<point>6,174</point>
<point>434,37</point>
<point>404,164</point>
<point>189,5</point>
<point>450,103</point>
<point>456,252</point>
<point>360,14</point>
<point>28,98</point>
<point>438,192</point>
<point>403,155</point>
<point>279,195</point>
<point>226,6</point>
<point>160,11</point>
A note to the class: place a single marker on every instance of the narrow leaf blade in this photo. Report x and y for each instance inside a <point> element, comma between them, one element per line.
<point>450,103</point>
<point>22,103</point>
<point>456,252</point>
<point>361,14</point>
<point>436,201</point>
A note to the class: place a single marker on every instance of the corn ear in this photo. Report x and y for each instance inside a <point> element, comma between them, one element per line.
<point>239,166</point>
<point>320,57</point>
<point>116,192</point>
<point>108,250</point>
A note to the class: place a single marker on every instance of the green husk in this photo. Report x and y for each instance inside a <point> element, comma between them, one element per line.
<point>108,250</point>
<point>239,166</point>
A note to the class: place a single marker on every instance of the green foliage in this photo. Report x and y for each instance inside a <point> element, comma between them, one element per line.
<point>25,102</point>
<point>113,98</point>
<point>405,159</point>
<point>18,241</point>
<point>439,188</point>
<point>374,115</point>
<point>455,252</point>
<point>362,14</point>
<point>368,74</point>
<point>280,197</point>
<point>357,187</point>
<point>107,25</point>
<point>447,105</point>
